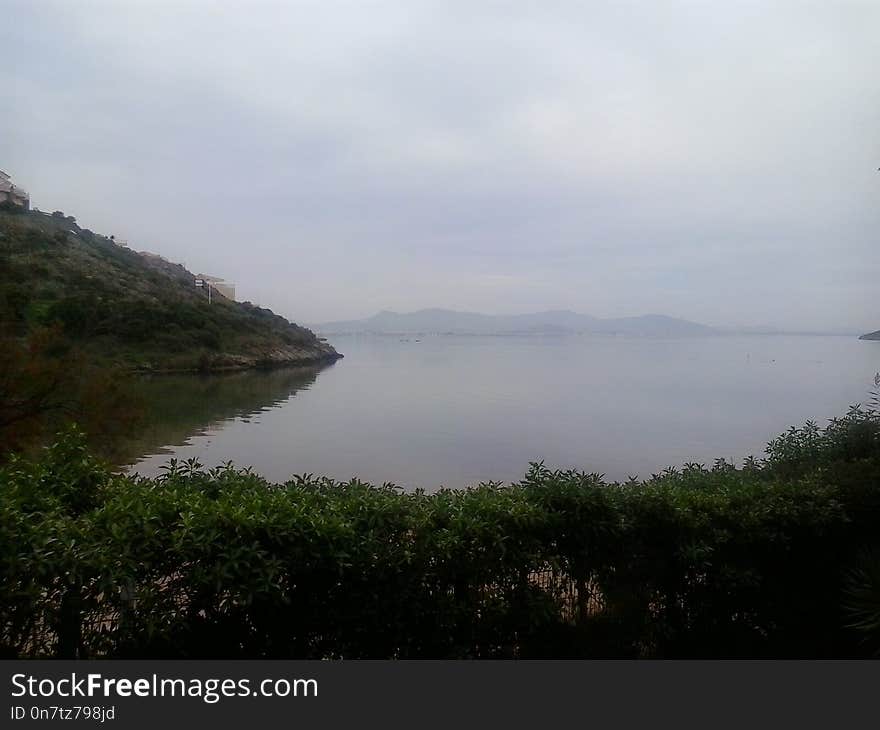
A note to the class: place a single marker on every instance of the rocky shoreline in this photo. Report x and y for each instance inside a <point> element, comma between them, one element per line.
<point>321,353</point>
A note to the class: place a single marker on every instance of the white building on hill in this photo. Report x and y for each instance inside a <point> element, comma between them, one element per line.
<point>12,193</point>
<point>226,288</point>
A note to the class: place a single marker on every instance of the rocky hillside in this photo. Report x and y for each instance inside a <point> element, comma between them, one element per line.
<point>129,308</point>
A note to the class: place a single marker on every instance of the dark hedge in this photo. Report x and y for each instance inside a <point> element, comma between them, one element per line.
<point>767,560</point>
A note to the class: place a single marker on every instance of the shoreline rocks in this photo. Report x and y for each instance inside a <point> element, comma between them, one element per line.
<point>270,360</point>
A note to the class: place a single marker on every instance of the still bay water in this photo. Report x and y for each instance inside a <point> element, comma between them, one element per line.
<point>458,410</point>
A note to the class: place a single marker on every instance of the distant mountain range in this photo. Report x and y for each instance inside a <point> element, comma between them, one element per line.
<point>443,321</point>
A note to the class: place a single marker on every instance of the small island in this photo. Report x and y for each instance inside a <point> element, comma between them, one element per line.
<point>871,336</point>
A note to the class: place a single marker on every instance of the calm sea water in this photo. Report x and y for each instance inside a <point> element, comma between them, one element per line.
<point>453,411</point>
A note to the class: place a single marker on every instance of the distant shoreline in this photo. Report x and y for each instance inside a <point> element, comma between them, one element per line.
<point>551,333</point>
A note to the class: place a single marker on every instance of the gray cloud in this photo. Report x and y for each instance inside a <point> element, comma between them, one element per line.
<point>707,160</point>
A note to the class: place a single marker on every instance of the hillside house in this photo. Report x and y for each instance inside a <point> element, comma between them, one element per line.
<point>226,288</point>
<point>12,193</point>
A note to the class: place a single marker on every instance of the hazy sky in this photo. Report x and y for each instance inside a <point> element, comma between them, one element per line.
<point>709,160</point>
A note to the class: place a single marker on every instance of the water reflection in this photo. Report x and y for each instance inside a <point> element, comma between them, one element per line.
<point>456,410</point>
<point>176,408</point>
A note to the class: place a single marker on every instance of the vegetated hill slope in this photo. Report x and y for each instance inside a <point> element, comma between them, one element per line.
<point>871,336</point>
<point>134,309</point>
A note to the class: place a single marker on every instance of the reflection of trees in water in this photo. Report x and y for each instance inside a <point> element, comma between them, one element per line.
<point>176,407</point>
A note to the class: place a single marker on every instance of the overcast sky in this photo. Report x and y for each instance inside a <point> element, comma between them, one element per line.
<point>709,160</point>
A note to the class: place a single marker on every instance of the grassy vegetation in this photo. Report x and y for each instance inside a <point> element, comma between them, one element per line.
<point>123,308</point>
<point>766,560</point>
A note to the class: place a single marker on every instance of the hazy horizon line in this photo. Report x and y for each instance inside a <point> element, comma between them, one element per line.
<point>768,328</point>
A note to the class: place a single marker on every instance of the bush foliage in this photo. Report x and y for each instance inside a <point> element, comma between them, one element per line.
<point>755,561</point>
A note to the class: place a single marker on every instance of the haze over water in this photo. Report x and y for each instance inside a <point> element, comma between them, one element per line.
<point>457,410</point>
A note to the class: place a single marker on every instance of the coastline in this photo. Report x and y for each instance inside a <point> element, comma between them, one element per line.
<point>227,363</point>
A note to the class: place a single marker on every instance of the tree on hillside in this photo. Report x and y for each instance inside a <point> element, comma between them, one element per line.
<point>33,385</point>
<point>46,384</point>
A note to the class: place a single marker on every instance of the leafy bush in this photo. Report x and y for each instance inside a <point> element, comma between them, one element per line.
<point>7,206</point>
<point>717,562</point>
<point>798,450</point>
<point>45,383</point>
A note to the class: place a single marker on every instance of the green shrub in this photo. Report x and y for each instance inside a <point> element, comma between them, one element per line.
<point>719,562</point>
